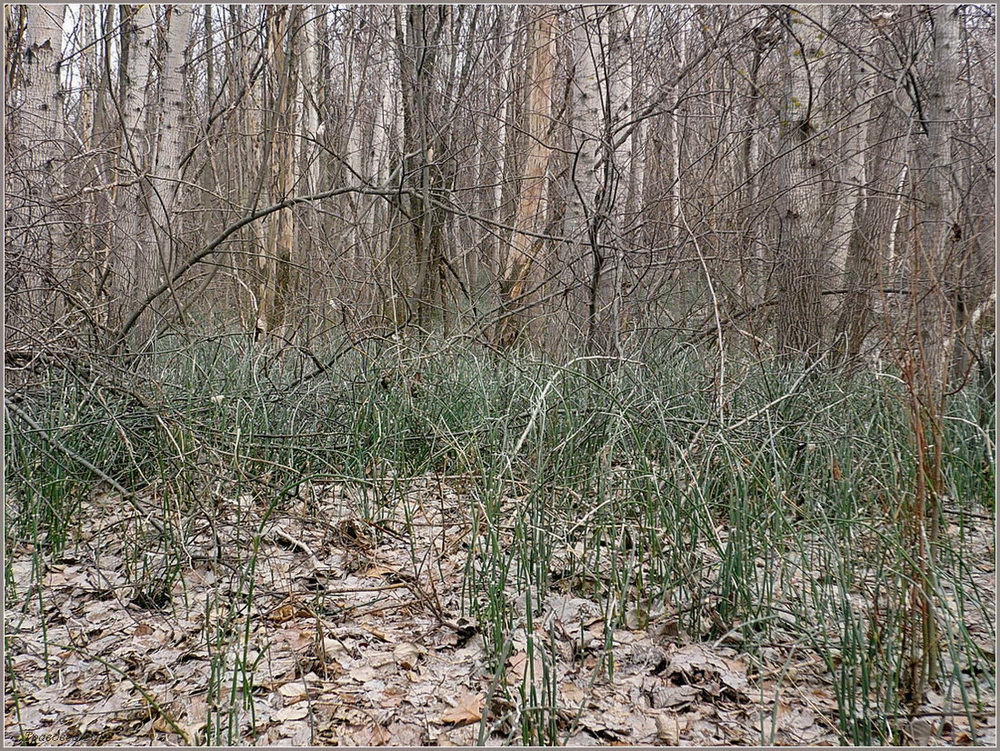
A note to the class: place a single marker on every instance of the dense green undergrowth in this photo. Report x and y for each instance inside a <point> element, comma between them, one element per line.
<point>758,510</point>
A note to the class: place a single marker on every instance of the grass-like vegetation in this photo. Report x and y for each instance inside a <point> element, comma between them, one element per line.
<point>770,515</point>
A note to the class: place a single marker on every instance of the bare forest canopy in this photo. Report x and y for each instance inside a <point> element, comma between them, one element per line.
<point>791,179</point>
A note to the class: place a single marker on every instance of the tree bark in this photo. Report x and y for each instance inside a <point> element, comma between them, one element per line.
<point>932,175</point>
<point>925,365</point>
<point>425,149</point>
<point>137,33</point>
<point>800,203</point>
<point>867,250</point>
<point>166,173</point>
<point>525,263</point>
<point>277,262</point>
<point>39,262</point>
<point>584,211</point>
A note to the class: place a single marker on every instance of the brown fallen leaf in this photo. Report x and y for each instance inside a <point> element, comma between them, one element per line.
<point>288,610</point>
<point>668,728</point>
<point>163,725</point>
<point>572,694</point>
<point>295,712</point>
<point>468,709</point>
<point>699,665</point>
<point>964,738</point>
<point>673,696</point>
<point>408,654</point>
<point>371,735</point>
<point>294,690</point>
<point>379,571</point>
<point>295,639</point>
<point>921,729</point>
<point>376,632</point>
<point>517,667</point>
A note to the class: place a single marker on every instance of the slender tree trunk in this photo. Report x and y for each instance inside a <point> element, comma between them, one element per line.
<point>277,263</point>
<point>525,265</point>
<point>137,32</point>
<point>385,158</point>
<point>209,55</point>
<point>307,151</point>
<point>873,222</point>
<point>638,27</point>
<point>425,149</point>
<point>751,260</point>
<point>620,175</point>
<point>166,173</point>
<point>354,86</point>
<point>675,139</point>
<point>584,211</point>
<point>925,367</point>
<point>39,259</point>
<point>850,191</point>
<point>505,113</point>
<point>933,177</point>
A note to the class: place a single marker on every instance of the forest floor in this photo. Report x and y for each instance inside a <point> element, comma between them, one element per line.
<point>451,547</point>
<point>344,631</point>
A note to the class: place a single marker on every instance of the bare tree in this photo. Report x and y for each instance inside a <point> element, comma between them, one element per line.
<point>884,127</point>
<point>617,173</point>
<point>590,155</point>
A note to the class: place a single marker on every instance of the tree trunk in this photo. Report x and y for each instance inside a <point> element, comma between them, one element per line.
<point>925,366</point>
<point>137,33</point>
<point>676,137</point>
<point>166,173</point>
<point>38,262</point>
<point>800,203</point>
<point>751,255</point>
<point>425,147</point>
<point>620,173</point>
<point>873,222</point>
<point>277,263</point>
<point>505,115</point>
<point>525,266</point>
<point>932,176</point>
<point>588,144</point>
<point>307,152</point>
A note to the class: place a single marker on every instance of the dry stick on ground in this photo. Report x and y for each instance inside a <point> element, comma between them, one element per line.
<point>313,560</point>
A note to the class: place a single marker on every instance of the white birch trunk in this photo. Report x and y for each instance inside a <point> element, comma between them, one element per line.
<point>676,136</point>
<point>135,150</point>
<point>583,210</point>
<point>41,130</point>
<point>166,172</point>
<point>621,86</point>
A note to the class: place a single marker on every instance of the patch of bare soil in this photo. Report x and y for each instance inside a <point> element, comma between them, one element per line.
<point>348,632</point>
